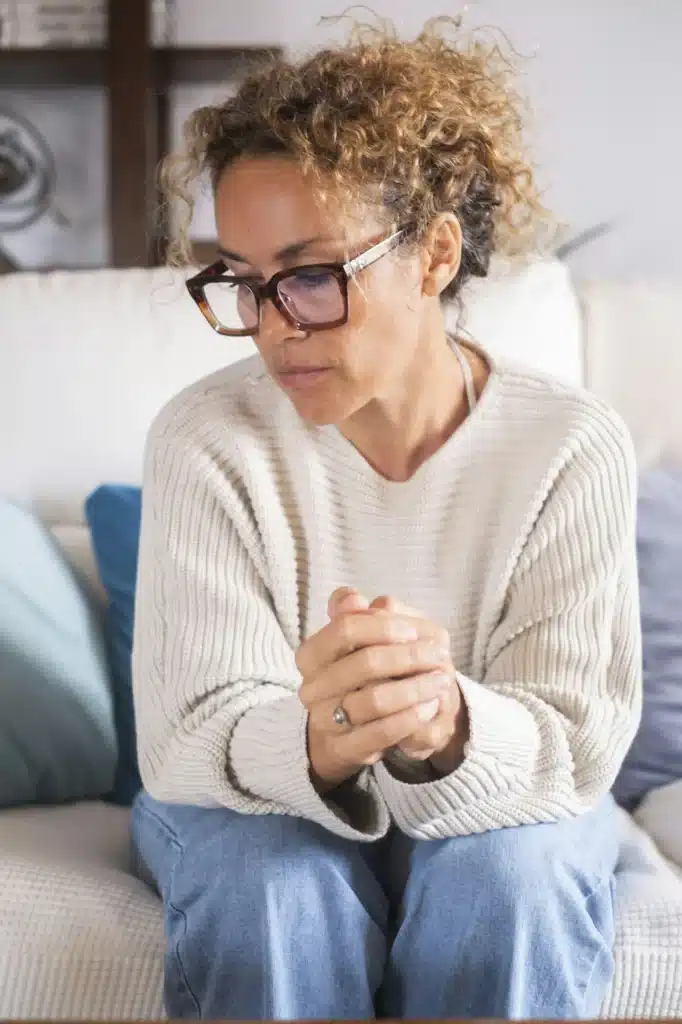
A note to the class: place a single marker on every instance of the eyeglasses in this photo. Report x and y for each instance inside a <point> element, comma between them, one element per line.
<point>310,298</point>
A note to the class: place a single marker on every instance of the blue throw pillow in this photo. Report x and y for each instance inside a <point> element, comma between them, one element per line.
<point>57,735</point>
<point>655,757</point>
<point>113,513</point>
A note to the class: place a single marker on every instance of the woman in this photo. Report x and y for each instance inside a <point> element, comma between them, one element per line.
<point>386,650</point>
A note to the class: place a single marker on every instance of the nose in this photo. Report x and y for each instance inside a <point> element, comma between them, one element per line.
<point>274,327</point>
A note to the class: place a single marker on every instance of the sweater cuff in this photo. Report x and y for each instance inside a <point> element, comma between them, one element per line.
<point>500,759</point>
<point>268,759</point>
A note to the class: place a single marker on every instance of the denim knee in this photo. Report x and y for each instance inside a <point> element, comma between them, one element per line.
<point>266,916</point>
<point>526,862</point>
<point>528,916</point>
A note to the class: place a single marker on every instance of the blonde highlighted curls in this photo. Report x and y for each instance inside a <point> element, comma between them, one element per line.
<point>421,127</point>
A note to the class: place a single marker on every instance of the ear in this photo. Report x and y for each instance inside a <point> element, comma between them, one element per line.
<point>442,254</point>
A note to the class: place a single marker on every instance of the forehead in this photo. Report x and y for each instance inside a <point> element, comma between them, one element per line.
<point>264,204</point>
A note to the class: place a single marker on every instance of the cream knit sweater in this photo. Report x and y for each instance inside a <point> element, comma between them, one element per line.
<point>517,536</point>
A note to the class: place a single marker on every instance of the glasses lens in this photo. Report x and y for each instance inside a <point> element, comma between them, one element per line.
<point>313,296</point>
<point>233,305</point>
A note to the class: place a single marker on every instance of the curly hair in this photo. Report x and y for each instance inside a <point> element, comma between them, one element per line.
<point>423,126</point>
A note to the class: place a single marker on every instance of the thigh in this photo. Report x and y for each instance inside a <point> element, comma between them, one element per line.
<point>516,922</point>
<point>266,916</point>
<point>587,847</point>
<point>197,848</point>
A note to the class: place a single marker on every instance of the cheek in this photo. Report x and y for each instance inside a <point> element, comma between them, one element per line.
<point>382,311</point>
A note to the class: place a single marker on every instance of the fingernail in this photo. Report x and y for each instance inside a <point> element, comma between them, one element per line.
<point>429,710</point>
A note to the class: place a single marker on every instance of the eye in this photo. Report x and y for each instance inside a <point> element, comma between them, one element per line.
<point>311,278</point>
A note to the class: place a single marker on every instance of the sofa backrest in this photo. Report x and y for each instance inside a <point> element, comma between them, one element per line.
<point>633,359</point>
<point>87,358</point>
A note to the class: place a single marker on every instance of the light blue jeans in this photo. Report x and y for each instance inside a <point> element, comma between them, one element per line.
<point>274,917</point>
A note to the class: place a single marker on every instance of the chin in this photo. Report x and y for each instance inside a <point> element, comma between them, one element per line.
<point>323,411</point>
<point>324,406</point>
<point>319,414</point>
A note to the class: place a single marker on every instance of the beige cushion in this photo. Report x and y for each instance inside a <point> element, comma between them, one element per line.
<point>76,543</point>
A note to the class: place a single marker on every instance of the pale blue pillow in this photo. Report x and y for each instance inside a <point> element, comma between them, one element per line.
<point>57,735</point>
<point>655,757</point>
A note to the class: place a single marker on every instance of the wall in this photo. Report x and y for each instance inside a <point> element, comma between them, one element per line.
<point>605,80</point>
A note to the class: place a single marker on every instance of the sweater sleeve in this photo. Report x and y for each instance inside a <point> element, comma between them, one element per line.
<point>558,705</point>
<point>219,720</point>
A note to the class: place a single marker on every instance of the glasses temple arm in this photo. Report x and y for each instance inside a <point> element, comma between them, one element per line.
<point>366,259</point>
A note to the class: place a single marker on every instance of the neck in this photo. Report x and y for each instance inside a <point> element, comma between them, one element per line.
<point>399,431</point>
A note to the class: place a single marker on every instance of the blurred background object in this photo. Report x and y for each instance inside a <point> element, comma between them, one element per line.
<point>27,179</point>
<point>604,82</point>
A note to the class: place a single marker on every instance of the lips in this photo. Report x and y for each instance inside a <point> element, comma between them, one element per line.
<point>296,378</point>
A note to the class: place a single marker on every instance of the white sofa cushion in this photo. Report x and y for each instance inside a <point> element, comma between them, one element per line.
<point>531,316</point>
<point>80,937</point>
<point>88,358</point>
<point>633,360</point>
<point>86,361</point>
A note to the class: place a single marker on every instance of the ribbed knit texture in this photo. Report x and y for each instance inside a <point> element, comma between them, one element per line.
<point>517,536</point>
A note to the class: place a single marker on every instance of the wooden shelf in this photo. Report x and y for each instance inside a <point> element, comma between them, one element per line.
<point>189,64</point>
<point>78,66</point>
<point>48,67</point>
<point>137,78</point>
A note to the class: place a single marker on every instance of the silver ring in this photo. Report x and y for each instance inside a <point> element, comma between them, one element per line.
<point>340,716</point>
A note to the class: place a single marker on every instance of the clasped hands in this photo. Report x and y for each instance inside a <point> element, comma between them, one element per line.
<point>389,670</point>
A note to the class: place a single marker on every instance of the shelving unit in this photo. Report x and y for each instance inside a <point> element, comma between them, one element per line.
<point>137,77</point>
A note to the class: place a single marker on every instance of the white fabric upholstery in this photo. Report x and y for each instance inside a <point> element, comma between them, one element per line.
<point>648,950</point>
<point>660,815</point>
<point>86,359</point>
<point>633,359</point>
<point>532,316</point>
<point>80,936</point>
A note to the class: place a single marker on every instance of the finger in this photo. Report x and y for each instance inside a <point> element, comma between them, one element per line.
<point>368,743</point>
<point>386,603</point>
<point>378,663</point>
<point>346,601</point>
<point>338,596</point>
<point>381,700</point>
<point>389,605</point>
<point>348,633</point>
<point>428,739</point>
<point>432,737</point>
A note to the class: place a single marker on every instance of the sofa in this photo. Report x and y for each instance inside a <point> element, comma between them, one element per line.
<point>86,359</point>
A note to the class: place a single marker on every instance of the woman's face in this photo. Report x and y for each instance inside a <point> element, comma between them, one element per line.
<point>268,216</point>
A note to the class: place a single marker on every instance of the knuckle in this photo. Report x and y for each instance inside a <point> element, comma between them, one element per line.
<point>372,662</point>
<point>347,632</point>
<point>377,702</point>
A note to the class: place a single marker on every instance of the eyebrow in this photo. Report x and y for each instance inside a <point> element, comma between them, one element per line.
<point>283,255</point>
